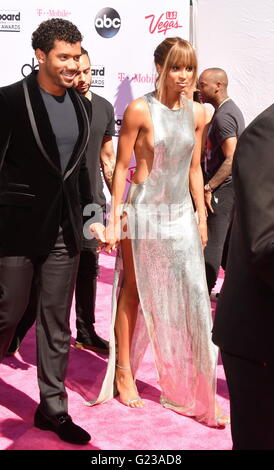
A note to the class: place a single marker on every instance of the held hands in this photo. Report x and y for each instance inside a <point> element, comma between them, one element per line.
<point>108,237</point>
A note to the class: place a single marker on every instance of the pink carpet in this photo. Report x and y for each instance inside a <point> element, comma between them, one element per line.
<point>112,425</point>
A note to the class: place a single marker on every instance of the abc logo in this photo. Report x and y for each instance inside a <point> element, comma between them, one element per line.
<point>107,22</point>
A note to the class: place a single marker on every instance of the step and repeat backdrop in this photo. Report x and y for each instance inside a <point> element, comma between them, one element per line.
<point>120,37</point>
<point>238,36</point>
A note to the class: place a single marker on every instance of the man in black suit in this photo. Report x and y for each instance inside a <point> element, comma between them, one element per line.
<point>99,151</point>
<point>244,321</point>
<point>43,187</point>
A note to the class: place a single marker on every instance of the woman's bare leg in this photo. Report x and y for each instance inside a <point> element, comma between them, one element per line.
<point>124,327</point>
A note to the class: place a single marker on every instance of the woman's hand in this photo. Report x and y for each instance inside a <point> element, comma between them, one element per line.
<point>113,236</point>
<point>208,201</point>
<point>202,227</point>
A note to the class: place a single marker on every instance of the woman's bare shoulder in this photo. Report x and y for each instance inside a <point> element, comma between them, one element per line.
<point>136,111</point>
<point>137,106</point>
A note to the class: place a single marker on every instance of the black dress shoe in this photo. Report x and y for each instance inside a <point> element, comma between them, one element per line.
<point>93,342</point>
<point>63,426</point>
<point>13,347</point>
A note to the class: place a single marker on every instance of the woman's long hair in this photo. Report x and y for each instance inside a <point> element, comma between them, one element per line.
<point>171,52</point>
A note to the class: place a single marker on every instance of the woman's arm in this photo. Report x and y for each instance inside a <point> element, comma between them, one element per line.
<point>132,123</point>
<point>196,182</point>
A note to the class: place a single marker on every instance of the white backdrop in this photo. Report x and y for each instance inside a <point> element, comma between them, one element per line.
<point>123,67</point>
<point>238,36</point>
<point>123,63</point>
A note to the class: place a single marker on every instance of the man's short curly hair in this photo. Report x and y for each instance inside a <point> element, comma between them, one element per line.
<point>56,28</point>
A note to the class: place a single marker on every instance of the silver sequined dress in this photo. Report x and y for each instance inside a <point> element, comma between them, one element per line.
<point>174,313</point>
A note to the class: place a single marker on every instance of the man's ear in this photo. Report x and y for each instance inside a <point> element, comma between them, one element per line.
<point>40,56</point>
<point>218,86</point>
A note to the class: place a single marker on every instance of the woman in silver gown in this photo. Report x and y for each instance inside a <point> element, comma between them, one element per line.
<point>160,291</point>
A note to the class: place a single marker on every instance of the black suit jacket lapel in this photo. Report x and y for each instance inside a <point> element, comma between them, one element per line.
<point>42,122</point>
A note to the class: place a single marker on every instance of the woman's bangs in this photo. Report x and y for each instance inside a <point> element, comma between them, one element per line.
<point>182,57</point>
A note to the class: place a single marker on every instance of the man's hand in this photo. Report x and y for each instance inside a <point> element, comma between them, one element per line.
<point>99,232</point>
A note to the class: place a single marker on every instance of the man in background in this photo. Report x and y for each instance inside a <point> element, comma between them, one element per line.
<point>100,153</point>
<point>224,130</point>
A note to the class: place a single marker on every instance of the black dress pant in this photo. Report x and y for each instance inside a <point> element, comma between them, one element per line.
<point>55,276</point>
<point>85,297</point>
<point>85,290</point>
<point>218,225</point>
<point>251,390</point>
<point>28,318</point>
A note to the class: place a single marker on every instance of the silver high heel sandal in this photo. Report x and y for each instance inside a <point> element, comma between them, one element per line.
<point>132,400</point>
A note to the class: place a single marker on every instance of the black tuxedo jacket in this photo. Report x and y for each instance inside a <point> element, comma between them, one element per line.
<point>244,321</point>
<point>35,197</point>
